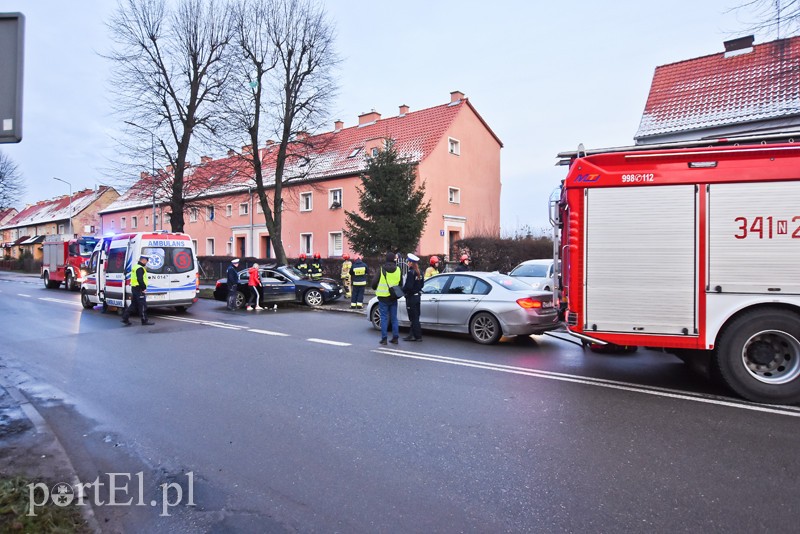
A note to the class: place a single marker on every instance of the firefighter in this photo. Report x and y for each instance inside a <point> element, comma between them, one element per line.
<point>138,292</point>
<point>346,265</point>
<point>434,267</point>
<point>302,265</point>
<point>359,274</point>
<point>315,269</point>
<point>463,265</point>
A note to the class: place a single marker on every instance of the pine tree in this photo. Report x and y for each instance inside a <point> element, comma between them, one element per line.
<point>393,211</point>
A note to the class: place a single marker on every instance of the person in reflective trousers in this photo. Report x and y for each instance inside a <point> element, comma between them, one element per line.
<point>358,274</point>
<point>346,265</point>
<point>315,269</point>
<point>138,292</point>
<point>412,287</point>
<point>302,265</point>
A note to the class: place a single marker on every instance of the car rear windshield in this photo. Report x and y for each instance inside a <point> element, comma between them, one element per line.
<point>508,282</point>
<point>536,270</point>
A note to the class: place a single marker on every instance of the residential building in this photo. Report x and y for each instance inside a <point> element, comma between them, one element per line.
<point>455,153</point>
<point>28,228</point>
<point>748,88</point>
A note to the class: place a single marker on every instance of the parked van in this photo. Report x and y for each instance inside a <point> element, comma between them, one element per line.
<point>171,271</point>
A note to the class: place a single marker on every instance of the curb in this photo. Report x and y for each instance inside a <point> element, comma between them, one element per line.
<point>43,429</point>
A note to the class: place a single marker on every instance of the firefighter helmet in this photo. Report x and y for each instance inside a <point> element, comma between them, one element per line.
<point>302,255</point>
<point>434,260</point>
<point>345,257</point>
<point>317,256</point>
<point>464,257</point>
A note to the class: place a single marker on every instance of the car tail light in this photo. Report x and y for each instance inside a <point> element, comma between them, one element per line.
<point>529,303</point>
<point>197,281</point>
<point>218,284</point>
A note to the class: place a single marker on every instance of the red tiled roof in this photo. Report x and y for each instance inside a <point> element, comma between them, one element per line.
<point>716,90</point>
<point>54,209</point>
<point>326,155</point>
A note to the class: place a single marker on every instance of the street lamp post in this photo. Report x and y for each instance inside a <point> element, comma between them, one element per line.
<point>152,165</point>
<point>70,203</point>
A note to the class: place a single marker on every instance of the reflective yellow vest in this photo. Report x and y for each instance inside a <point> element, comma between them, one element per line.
<point>135,279</point>
<point>386,281</point>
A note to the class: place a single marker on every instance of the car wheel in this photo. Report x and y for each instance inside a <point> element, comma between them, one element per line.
<point>69,283</point>
<point>49,284</point>
<point>313,297</point>
<point>85,302</point>
<point>375,317</point>
<point>758,356</point>
<point>485,328</point>
<point>240,300</point>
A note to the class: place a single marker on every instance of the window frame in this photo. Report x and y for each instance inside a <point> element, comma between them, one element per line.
<point>309,238</point>
<point>454,195</point>
<point>453,146</point>
<point>228,210</point>
<point>307,195</point>
<point>244,208</point>
<point>332,250</point>
<point>332,197</point>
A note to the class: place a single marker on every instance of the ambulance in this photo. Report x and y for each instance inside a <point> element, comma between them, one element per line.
<point>171,270</point>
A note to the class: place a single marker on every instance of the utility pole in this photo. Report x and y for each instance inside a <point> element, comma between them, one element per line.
<point>70,204</point>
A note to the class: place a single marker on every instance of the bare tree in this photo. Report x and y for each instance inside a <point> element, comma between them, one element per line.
<point>778,17</point>
<point>11,186</point>
<point>170,74</point>
<point>283,60</point>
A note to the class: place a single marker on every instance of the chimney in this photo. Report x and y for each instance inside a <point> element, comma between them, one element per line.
<point>456,96</point>
<point>269,143</point>
<point>368,118</point>
<point>338,125</point>
<point>231,153</point>
<point>403,110</point>
<point>144,175</point>
<point>247,149</point>
<point>742,45</point>
<point>205,159</point>
<point>169,169</point>
<point>301,136</point>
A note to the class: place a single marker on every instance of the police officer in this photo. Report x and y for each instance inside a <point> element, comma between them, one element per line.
<point>233,283</point>
<point>412,287</point>
<point>138,292</point>
<point>346,265</point>
<point>315,269</point>
<point>302,265</point>
<point>358,274</point>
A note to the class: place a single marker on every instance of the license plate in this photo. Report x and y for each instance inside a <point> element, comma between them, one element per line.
<point>547,304</point>
<point>157,296</point>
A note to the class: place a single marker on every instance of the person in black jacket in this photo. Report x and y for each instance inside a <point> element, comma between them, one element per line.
<point>412,287</point>
<point>233,283</point>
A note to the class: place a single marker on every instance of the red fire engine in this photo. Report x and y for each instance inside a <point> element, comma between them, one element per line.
<point>693,248</point>
<point>62,261</point>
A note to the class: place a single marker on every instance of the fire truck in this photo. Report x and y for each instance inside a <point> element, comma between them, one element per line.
<point>63,261</point>
<point>692,248</point>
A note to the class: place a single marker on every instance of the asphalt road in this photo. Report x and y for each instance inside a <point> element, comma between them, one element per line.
<point>297,420</point>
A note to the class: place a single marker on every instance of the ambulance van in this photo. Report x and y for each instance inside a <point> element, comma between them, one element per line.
<point>171,270</point>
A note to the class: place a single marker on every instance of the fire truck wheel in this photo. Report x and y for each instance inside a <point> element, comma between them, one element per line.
<point>485,328</point>
<point>69,283</point>
<point>85,302</point>
<point>758,356</point>
<point>49,284</point>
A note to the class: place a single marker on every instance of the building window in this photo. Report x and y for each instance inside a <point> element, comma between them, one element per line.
<point>122,224</point>
<point>155,221</point>
<point>167,218</point>
<point>453,146</point>
<point>112,225</point>
<point>355,152</point>
<point>258,208</point>
<point>229,248</point>
<point>210,213</point>
<point>335,198</point>
<point>335,244</point>
<point>210,246</point>
<point>147,220</point>
<point>134,222</point>
<point>454,195</point>
<point>306,202</point>
<point>307,243</point>
<point>62,228</point>
<point>375,152</point>
<point>193,214</point>
<point>228,210</point>
<point>194,245</point>
<point>244,208</point>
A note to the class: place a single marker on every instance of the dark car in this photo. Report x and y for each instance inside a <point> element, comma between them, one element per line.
<point>281,284</point>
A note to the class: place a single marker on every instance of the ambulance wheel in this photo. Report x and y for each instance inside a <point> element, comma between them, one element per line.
<point>85,302</point>
<point>49,284</point>
<point>240,300</point>
<point>758,356</point>
<point>313,297</point>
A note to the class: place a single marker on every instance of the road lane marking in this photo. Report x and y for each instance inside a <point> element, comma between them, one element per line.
<point>267,332</point>
<point>598,382</point>
<point>23,295</point>
<point>328,342</point>
<point>215,324</point>
<point>49,299</point>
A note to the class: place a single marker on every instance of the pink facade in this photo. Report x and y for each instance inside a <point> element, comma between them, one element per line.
<point>457,156</point>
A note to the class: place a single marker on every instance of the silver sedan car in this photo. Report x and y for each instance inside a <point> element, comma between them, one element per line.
<point>484,305</point>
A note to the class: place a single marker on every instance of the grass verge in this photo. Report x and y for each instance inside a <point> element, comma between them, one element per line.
<point>49,518</point>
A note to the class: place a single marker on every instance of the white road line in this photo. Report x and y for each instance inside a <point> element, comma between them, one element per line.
<point>267,332</point>
<point>609,384</point>
<point>328,342</point>
<point>23,295</point>
<point>72,302</point>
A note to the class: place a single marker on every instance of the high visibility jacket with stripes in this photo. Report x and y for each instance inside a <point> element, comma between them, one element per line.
<point>139,276</point>
<point>388,280</point>
<point>359,273</point>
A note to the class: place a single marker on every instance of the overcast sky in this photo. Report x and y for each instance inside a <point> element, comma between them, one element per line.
<point>544,75</point>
